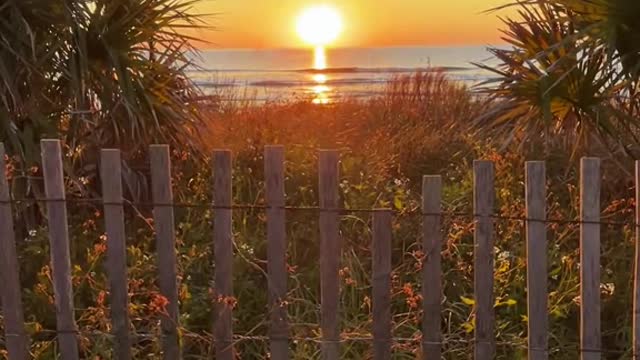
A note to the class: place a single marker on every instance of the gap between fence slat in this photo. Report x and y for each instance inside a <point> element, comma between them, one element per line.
<point>330,253</point>
<point>164,224</point>
<point>223,254</point>
<point>535,194</point>
<point>432,271</point>
<point>59,240</point>
<point>590,337</point>
<point>484,198</point>
<point>15,334</point>
<point>111,177</point>
<point>276,251</point>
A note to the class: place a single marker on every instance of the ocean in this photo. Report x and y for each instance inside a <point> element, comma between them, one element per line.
<point>324,75</point>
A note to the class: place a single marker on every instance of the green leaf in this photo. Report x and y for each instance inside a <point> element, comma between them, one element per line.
<point>468,301</point>
<point>398,203</point>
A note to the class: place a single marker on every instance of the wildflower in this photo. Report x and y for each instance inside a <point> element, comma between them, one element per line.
<point>159,304</point>
<point>101,297</point>
<point>407,289</point>
<point>229,301</point>
<point>292,269</point>
<point>99,249</point>
<point>413,299</point>
<point>345,273</point>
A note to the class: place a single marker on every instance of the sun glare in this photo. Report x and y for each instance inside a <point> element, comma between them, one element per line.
<point>319,25</point>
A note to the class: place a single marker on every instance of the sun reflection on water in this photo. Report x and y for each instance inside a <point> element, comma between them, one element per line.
<point>321,91</point>
<point>320,78</point>
<point>321,94</point>
<point>319,58</point>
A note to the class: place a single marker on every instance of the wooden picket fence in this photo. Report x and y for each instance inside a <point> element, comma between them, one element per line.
<point>17,341</point>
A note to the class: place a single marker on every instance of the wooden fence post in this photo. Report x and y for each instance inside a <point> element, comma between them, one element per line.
<point>111,176</point>
<point>590,337</point>
<point>59,242</point>
<point>276,251</point>
<point>164,224</point>
<point>223,254</point>
<point>382,236</point>
<point>330,253</point>
<point>15,335</point>
<point>432,269</point>
<point>636,279</point>
<point>536,260</point>
<point>484,198</point>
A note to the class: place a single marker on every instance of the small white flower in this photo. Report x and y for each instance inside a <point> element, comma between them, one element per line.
<point>33,233</point>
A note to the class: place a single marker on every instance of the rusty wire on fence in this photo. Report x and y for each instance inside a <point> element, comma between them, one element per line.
<point>318,209</point>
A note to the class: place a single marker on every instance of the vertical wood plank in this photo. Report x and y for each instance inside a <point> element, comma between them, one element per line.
<point>432,270</point>
<point>484,198</point>
<point>382,235</point>
<point>15,335</point>
<point>636,279</point>
<point>223,254</point>
<point>590,337</point>
<point>330,252</point>
<point>274,171</point>
<point>535,193</point>
<point>59,242</point>
<point>111,176</point>
<point>164,222</point>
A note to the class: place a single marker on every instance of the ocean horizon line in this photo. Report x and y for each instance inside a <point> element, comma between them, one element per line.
<point>341,70</point>
<point>334,48</point>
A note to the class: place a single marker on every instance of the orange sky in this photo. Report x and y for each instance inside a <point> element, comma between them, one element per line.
<point>271,23</point>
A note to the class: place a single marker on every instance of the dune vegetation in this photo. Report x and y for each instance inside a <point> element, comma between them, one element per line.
<point>422,124</point>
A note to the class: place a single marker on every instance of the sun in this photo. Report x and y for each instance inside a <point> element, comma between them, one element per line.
<point>319,25</point>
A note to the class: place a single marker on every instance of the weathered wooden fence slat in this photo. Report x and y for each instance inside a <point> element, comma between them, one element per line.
<point>535,197</point>
<point>381,268</point>
<point>483,204</point>
<point>15,335</point>
<point>432,269</point>
<point>223,254</point>
<point>636,278</point>
<point>330,253</point>
<point>274,171</point>
<point>590,336</point>
<point>59,240</point>
<point>111,176</point>
<point>164,224</point>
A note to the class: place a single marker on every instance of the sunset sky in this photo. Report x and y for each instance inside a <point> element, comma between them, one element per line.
<point>272,23</point>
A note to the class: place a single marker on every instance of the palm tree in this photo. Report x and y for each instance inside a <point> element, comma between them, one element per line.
<point>565,78</point>
<point>609,24</point>
<point>96,73</point>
